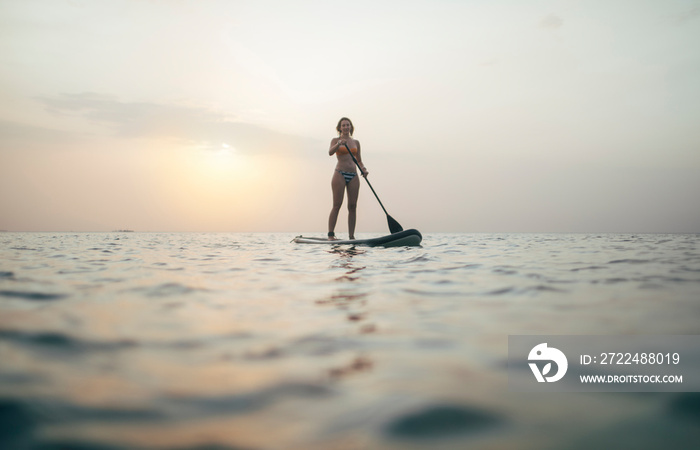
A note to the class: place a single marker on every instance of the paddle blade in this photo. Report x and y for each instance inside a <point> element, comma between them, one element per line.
<point>394,226</point>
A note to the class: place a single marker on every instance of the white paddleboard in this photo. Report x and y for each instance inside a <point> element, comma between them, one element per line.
<point>401,239</point>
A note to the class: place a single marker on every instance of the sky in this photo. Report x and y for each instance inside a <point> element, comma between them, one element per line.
<point>473,116</point>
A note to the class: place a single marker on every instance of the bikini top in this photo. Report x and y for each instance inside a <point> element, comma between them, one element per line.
<point>344,151</point>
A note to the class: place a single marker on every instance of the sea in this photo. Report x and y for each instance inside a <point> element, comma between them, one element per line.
<point>248,341</point>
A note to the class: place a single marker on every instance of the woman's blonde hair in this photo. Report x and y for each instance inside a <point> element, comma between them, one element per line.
<point>352,127</point>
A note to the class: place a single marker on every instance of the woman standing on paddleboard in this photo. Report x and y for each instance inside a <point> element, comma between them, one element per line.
<point>345,175</point>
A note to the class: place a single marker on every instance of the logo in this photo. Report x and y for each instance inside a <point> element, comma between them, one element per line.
<point>543,353</point>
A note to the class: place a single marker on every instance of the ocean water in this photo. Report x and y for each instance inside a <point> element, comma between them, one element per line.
<point>247,341</point>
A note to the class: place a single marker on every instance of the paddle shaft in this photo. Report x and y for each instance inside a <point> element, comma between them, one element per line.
<point>363,174</point>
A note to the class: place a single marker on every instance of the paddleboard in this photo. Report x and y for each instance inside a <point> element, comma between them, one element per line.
<point>400,239</point>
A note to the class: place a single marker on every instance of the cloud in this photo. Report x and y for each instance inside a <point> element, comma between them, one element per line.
<point>691,14</point>
<point>15,136</point>
<point>551,22</point>
<point>154,120</point>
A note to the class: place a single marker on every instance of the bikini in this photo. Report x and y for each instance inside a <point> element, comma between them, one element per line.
<point>344,151</point>
<point>347,175</point>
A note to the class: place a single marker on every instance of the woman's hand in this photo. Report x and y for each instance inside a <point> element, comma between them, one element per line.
<point>365,172</point>
<point>335,146</point>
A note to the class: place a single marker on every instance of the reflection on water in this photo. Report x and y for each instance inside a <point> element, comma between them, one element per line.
<point>360,363</point>
<point>150,340</point>
<point>351,298</point>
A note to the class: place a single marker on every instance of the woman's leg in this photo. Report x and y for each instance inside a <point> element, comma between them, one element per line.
<point>353,192</point>
<point>338,188</point>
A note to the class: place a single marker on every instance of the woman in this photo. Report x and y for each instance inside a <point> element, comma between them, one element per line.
<point>345,175</point>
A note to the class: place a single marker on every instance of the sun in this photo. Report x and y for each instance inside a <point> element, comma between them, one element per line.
<point>220,160</point>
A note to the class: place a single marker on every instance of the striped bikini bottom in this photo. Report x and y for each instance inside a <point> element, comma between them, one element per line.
<point>347,175</point>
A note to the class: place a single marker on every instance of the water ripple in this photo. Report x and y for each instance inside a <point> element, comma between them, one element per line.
<point>442,421</point>
<point>33,296</point>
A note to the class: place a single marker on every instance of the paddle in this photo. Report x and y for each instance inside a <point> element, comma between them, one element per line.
<point>394,226</point>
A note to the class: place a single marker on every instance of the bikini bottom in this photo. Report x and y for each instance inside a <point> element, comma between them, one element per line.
<point>348,176</point>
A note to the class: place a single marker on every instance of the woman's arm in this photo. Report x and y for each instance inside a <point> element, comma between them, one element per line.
<point>335,145</point>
